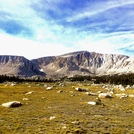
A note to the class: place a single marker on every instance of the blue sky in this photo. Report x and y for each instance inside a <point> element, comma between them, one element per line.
<point>38,28</point>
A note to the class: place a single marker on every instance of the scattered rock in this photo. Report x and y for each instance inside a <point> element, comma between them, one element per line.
<point>25,99</point>
<point>128,86</point>
<point>99,92</point>
<point>29,93</point>
<point>61,84</point>
<point>49,88</point>
<point>64,127</point>
<point>60,91</point>
<point>12,104</point>
<point>121,88</point>
<point>90,93</point>
<point>98,116</point>
<point>92,103</point>
<point>81,89</point>
<point>121,95</point>
<point>76,122</point>
<point>71,92</point>
<point>43,97</point>
<point>97,102</point>
<point>105,95</point>
<point>52,117</point>
<point>13,84</point>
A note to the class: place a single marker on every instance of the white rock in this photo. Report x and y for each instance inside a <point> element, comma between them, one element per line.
<point>128,86</point>
<point>49,88</point>
<point>90,93</point>
<point>121,88</point>
<point>99,92</point>
<point>60,91</point>
<point>81,89</point>
<point>26,99</point>
<point>121,95</point>
<point>92,103</point>
<point>52,117</point>
<point>29,93</point>
<point>13,84</point>
<point>12,104</point>
<point>105,95</point>
<point>64,127</point>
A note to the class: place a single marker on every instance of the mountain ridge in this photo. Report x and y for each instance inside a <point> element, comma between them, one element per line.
<point>81,63</point>
<point>69,64</point>
<point>18,66</point>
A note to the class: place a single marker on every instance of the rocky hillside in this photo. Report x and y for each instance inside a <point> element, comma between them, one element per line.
<point>17,65</point>
<point>85,63</point>
<point>75,63</point>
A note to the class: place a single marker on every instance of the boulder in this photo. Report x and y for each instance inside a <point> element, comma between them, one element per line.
<point>81,89</point>
<point>92,103</point>
<point>49,88</point>
<point>30,92</point>
<point>105,95</point>
<point>25,99</point>
<point>98,102</point>
<point>122,95</point>
<point>90,93</point>
<point>12,104</point>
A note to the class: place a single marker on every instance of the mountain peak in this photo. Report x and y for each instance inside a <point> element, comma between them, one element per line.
<point>74,63</point>
<point>82,63</point>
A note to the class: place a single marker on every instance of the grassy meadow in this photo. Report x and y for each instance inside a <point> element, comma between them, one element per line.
<point>63,110</point>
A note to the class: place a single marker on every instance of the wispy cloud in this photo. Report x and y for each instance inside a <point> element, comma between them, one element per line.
<point>116,43</point>
<point>28,48</point>
<point>97,7</point>
<point>70,25</point>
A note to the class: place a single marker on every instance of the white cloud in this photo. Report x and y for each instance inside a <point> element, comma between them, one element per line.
<point>109,44</point>
<point>100,46</point>
<point>24,14</point>
<point>30,49</point>
<point>51,38</point>
<point>11,45</point>
<point>15,7</point>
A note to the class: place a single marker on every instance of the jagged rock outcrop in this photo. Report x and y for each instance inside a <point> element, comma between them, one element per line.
<point>18,65</point>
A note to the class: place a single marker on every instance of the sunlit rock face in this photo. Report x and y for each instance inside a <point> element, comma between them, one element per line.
<point>85,63</point>
<point>70,64</point>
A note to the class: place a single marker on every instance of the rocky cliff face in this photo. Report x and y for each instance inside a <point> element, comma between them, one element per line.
<point>17,65</point>
<point>85,63</point>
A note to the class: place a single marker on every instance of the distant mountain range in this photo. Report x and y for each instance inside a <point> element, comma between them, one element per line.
<point>70,64</point>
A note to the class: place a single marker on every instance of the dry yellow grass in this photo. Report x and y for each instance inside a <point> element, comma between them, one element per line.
<point>66,112</point>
